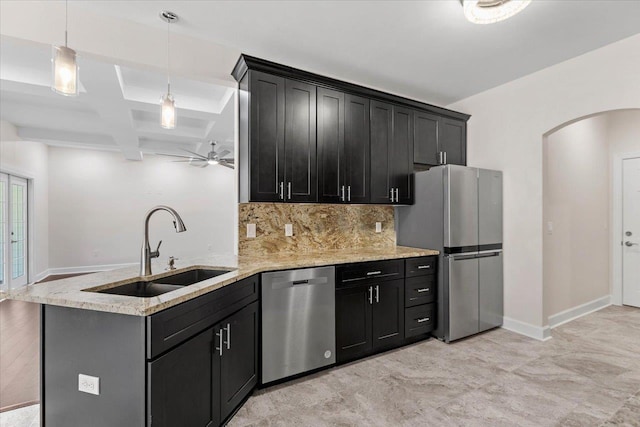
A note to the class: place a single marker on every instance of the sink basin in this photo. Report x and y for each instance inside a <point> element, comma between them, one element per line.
<point>163,285</point>
<point>141,289</point>
<point>190,277</point>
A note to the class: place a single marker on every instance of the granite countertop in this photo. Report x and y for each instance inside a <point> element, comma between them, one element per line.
<point>72,292</point>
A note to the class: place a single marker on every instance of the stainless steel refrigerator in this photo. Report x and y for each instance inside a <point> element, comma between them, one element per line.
<point>458,211</point>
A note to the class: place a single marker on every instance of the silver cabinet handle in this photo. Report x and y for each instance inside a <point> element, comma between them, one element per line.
<point>219,348</point>
<point>423,290</point>
<point>370,294</point>
<point>397,195</point>
<point>441,159</point>
<point>228,341</point>
<point>629,244</point>
<point>422,267</point>
<point>289,189</point>
<point>282,190</point>
<point>377,293</point>
<point>349,193</point>
<point>373,273</point>
<point>342,193</point>
<point>391,194</point>
<point>424,319</point>
<point>445,157</point>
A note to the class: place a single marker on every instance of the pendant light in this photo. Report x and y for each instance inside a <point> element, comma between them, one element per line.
<point>167,103</point>
<point>64,65</point>
<point>492,11</point>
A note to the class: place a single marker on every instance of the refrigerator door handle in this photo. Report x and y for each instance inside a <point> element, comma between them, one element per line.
<point>488,254</point>
<point>467,255</point>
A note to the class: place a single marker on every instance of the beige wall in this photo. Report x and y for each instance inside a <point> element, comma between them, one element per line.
<point>97,203</point>
<point>30,160</point>
<point>624,132</point>
<point>506,133</point>
<point>576,205</point>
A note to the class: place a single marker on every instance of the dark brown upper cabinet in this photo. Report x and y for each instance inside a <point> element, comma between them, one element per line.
<point>438,140</point>
<point>299,183</point>
<point>309,138</point>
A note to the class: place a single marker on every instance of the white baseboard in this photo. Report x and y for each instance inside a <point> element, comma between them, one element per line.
<point>540,333</point>
<point>579,311</point>
<point>81,269</point>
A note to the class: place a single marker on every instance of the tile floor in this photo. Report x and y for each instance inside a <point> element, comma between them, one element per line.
<point>587,375</point>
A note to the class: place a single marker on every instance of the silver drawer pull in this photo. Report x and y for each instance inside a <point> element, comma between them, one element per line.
<point>372,273</point>
<point>423,290</point>
<point>422,267</point>
<point>424,319</point>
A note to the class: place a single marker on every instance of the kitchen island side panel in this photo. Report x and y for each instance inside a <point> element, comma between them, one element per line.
<point>105,345</point>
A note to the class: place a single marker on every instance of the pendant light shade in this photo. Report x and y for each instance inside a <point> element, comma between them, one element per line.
<point>168,113</point>
<point>64,67</point>
<point>492,11</point>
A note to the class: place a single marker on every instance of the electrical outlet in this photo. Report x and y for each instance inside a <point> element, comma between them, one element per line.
<point>550,227</point>
<point>251,231</point>
<point>89,384</point>
<point>378,227</point>
<point>288,230</point>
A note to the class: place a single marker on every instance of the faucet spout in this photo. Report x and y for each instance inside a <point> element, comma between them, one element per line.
<point>147,254</point>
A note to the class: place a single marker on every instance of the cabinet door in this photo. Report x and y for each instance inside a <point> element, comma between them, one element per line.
<point>331,154</point>
<point>353,322</point>
<point>239,361</point>
<point>300,142</point>
<point>357,148</point>
<point>401,154</point>
<point>452,138</point>
<point>266,136</point>
<point>182,384</point>
<point>425,141</point>
<point>388,314</point>
<point>381,143</point>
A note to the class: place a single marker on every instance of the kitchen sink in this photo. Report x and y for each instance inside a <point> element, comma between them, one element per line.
<point>141,289</point>
<point>190,277</point>
<point>163,285</point>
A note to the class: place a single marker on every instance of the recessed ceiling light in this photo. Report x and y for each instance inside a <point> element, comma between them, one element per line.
<point>492,11</point>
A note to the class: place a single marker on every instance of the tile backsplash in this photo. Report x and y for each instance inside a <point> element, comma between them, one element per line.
<point>315,227</point>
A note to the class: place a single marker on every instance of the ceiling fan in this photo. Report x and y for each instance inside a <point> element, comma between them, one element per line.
<point>213,157</point>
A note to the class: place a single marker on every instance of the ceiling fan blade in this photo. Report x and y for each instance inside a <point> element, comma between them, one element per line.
<point>226,164</point>
<point>223,153</point>
<point>185,161</point>
<point>195,154</point>
<point>174,155</point>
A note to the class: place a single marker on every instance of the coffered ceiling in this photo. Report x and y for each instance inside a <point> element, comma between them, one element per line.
<point>117,109</point>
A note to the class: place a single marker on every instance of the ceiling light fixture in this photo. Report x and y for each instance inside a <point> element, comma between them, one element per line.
<point>64,65</point>
<point>492,11</point>
<point>167,103</point>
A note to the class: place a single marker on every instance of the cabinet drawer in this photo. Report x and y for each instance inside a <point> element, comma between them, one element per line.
<point>365,272</point>
<point>421,266</point>
<point>174,325</point>
<point>419,320</point>
<point>419,290</point>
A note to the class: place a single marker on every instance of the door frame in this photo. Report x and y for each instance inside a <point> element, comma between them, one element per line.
<point>616,225</point>
<point>31,214</point>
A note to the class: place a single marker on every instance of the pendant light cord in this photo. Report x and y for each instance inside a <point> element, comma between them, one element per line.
<point>168,56</point>
<point>66,21</point>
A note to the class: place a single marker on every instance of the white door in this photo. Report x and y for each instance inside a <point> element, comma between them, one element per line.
<point>13,232</point>
<point>631,232</point>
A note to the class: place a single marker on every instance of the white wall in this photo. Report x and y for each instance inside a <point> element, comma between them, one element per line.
<point>30,160</point>
<point>97,203</point>
<point>624,132</point>
<point>506,132</point>
<point>576,204</point>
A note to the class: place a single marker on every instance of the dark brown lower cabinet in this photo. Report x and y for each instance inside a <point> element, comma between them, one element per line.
<point>202,381</point>
<point>369,318</point>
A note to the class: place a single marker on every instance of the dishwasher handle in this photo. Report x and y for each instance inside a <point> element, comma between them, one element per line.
<point>291,283</point>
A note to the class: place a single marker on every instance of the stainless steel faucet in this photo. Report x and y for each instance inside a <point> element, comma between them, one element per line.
<point>147,254</point>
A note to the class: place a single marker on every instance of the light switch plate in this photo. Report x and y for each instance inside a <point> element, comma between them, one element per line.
<point>288,230</point>
<point>89,384</point>
<point>251,231</point>
<point>378,227</point>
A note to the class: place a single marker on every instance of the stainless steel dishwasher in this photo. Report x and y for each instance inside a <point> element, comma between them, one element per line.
<point>298,322</point>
